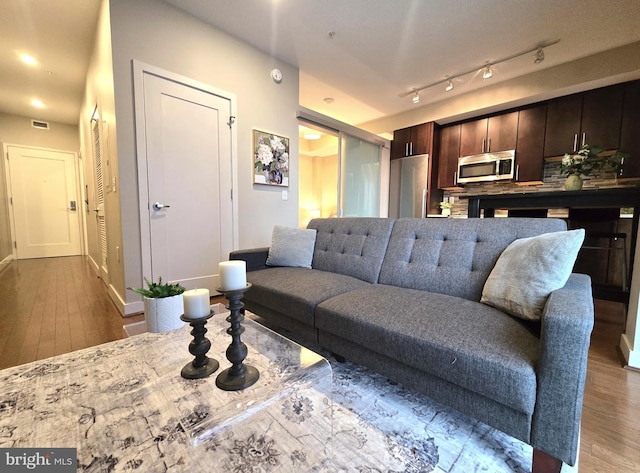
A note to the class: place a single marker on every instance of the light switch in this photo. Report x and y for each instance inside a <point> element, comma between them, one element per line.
<point>285,194</point>
<point>113,184</point>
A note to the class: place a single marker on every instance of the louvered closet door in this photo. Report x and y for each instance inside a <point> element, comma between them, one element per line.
<point>99,210</point>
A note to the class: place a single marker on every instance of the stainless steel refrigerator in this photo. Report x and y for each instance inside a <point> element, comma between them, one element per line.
<point>408,186</point>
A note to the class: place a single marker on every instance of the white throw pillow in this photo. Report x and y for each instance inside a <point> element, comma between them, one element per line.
<point>530,269</point>
<point>291,247</point>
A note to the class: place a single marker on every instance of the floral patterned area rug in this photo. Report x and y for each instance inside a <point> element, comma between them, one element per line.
<point>126,408</point>
<point>408,431</point>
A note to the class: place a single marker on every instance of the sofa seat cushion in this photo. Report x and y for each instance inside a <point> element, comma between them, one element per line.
<point>295,292</point>
<point>464,342</point>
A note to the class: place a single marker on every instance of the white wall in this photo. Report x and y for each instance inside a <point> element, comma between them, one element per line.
<point>15,129</point>
<point>159,35</point>
<point>99,93</point>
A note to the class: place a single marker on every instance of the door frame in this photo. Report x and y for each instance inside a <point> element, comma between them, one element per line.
<point>139,70</point>
<point>9,190</point>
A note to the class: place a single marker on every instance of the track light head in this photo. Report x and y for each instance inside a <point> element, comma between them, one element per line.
<point>416,97</point>
<point>539,56</point>
<point>487,74</point>
<point>449,86</point>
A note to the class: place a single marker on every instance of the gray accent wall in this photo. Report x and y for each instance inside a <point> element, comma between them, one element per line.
<point>162,36</point>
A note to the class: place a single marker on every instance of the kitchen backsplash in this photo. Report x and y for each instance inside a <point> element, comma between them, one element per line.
<point>553,181</point>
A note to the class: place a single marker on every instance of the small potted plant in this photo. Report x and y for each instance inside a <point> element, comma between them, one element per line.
<point>446,208</point>
<point>163,305</point>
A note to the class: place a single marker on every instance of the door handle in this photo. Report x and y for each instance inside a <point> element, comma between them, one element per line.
<point>159,206</point>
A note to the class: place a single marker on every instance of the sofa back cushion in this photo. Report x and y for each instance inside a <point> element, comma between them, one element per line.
<point>454,256</point>
<point>351,246</point>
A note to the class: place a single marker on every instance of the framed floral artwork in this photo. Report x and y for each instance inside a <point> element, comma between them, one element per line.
<point>270,159</point>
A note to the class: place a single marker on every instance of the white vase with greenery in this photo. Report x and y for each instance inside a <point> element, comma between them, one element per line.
<point>163,306</point>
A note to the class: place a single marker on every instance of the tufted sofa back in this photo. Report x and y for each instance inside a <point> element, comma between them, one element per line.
<point>351,246</point>
<point>453,256</point>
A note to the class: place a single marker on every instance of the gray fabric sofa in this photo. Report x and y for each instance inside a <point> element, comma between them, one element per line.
<point>402,298</point>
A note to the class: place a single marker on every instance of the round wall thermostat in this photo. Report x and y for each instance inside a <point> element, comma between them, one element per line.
<point>276,75</point>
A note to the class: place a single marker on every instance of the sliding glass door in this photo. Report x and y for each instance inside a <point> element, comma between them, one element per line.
<point>344,171</point>
<point>359,177</point>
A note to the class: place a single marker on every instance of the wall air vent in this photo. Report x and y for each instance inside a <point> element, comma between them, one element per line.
<point>40,124</point>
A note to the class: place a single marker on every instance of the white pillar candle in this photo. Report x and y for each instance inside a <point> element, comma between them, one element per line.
<point>196,303</point>
<point>233,275</point>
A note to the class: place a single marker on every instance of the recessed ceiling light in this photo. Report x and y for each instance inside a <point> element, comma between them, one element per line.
<point>29,60</point>
<point>328,100</point>
<point>312,136</point>
<point>37,103</point>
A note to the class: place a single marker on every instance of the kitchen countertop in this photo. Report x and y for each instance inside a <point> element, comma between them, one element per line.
<point>586,198</point>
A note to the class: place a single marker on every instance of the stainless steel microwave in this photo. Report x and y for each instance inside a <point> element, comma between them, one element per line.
<point>486,167</point>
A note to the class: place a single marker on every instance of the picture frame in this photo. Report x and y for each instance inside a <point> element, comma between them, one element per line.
<point>270,159</point>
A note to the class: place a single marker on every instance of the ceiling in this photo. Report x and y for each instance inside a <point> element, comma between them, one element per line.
<point>59,34</point>
<point>361,53</point>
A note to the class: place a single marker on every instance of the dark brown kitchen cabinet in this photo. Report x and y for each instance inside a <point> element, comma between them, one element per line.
<point>473,136</point>
<point>563,125</point>
<point>601,117</point>
<point>449,152</point>
<point>496,133</point>
<point>591,118</point>
<point>411,141</point>
<point>502,132</point>
<point>630,130</point>
<point>530,144</point>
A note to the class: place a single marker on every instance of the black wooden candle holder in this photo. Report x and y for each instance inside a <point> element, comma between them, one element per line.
<point>202,366</point>
<point>239,376</point>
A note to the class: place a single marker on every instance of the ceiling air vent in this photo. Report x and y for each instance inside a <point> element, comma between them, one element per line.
<point>40,124</point>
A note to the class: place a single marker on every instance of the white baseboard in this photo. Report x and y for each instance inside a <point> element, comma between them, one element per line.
<point>5,262</point>
<point>94,265</point>
<point>125,309</point>
<point>631,356</point>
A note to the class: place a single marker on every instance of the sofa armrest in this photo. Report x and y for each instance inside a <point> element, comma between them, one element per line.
<point>565,336</point>
<point>256,258</point>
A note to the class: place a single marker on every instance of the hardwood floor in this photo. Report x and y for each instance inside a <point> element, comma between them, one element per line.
<point>56,305</point>
<point>610,437</point>
<point>52,306</point>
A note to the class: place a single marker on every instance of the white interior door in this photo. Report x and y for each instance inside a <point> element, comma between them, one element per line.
<point>188,170</point>
<point>44,188</point>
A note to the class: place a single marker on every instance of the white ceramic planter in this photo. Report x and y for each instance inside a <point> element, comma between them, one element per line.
<point>163,315</point>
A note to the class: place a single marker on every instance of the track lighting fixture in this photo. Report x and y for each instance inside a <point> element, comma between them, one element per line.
<point>486,68</point>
